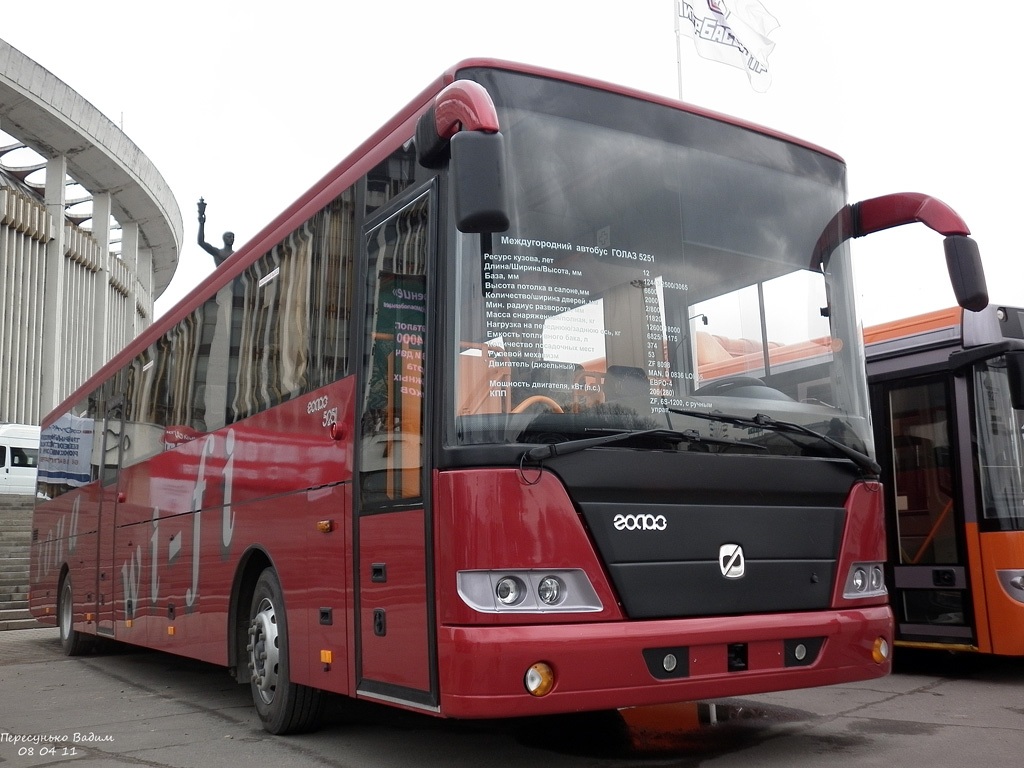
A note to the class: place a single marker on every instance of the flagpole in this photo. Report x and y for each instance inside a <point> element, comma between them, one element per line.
<point>679,50</point>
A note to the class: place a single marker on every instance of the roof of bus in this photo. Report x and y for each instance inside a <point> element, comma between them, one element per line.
<point>368,154</point>
<point>654,98</point>
<point>912,326</point>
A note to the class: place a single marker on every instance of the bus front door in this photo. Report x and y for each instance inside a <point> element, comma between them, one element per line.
<point>110,461</point>
<point>927,552</point>
<point>395,637</point>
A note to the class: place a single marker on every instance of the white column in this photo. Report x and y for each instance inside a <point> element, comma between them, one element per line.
<point>54,319</point>
<point>130,258</point>
<point>145,273</point>
<point>101,316</point>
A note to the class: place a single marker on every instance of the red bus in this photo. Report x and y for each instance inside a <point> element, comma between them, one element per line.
<point>436,437</point>
<point>948,404</point>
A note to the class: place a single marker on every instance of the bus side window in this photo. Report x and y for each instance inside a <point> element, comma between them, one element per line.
<point>392,424</point>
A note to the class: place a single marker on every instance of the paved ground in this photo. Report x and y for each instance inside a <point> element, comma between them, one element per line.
<point>136,708</point>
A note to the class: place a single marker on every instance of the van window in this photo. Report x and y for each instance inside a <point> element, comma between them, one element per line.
<point>24,457</point>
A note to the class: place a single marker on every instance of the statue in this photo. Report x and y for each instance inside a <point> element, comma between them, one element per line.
<point>219,254</point>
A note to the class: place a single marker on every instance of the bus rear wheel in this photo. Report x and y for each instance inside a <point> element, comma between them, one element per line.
<point>73,643</point>
<point>283,706</point>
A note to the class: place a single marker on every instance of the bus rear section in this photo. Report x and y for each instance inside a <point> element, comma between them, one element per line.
<point>947,398</point>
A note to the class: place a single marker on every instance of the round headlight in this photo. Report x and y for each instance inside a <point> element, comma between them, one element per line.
<point>860,579</point>
<point>550,590</point>
<point>877,579</point>
<point>509,590</point>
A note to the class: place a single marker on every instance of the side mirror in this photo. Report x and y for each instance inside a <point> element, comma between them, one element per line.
<point>1015,374</point>
<point>966,273</point>
<point>963,259</point>
<point>478,178</point>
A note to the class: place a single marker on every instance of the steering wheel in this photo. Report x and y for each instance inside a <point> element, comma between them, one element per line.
<point>722,386</point>
<point>544,400</point>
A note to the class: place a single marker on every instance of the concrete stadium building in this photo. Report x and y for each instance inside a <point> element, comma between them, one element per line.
<point>89,238</point>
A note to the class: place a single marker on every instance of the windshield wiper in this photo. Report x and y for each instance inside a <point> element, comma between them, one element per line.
<point>763,421</point>
<point>689,435</point>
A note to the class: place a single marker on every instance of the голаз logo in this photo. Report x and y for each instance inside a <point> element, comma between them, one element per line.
<point>640,522</point>
<point>731,561</point>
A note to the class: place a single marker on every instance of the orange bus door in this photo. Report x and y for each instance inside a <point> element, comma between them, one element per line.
<point>930,590</point>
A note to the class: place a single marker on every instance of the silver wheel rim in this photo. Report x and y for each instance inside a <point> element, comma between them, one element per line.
<point>264,654</point>
<point>66,611</point>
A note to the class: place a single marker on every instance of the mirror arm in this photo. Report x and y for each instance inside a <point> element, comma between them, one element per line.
<point>966,274</point>
<point>464,105</point>
<point>885,212</point>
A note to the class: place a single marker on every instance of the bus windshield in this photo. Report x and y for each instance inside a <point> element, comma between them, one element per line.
<point>657,261</point>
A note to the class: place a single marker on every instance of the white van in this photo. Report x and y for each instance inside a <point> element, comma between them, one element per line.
<point>19,452</point>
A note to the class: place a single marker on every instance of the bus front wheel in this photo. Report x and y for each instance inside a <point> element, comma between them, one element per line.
<point>283,706</point>
<point>73,643</point>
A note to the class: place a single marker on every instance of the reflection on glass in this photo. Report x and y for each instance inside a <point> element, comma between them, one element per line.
<point>656,261</point>
<point>392,420</point>
<point>1000,458</point>
<point>922,476</point>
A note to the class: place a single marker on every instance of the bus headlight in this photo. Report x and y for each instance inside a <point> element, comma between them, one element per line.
<point>877,578</point>
<point>564,590</point>
<point>509,590</point>
<point>864,580</point>
<point>549,590</point>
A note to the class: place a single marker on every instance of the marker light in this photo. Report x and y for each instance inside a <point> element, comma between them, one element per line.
<point>539,679</point>
<point>880,651</point>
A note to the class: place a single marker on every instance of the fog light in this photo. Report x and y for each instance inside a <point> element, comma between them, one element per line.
<point>880,651</point>
<point>800,652</point>
<point>540,679</point>
<point>509,590</point>
<point>549,590</point>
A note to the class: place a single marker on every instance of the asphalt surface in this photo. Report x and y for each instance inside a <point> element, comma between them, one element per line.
<point>137,708</point>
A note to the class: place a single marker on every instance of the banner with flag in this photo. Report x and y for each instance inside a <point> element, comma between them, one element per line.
<point>734,32</point>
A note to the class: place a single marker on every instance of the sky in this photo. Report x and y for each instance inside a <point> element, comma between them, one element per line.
<point>248,109</point>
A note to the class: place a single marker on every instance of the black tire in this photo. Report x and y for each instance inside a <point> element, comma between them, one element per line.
<point>283,706</point>
<point>72,642</point>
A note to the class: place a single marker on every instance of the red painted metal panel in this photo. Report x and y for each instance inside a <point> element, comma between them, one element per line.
<point>504,518</point>
<point>396,652</point>
<point>600,666</point>
<point>863,539</point>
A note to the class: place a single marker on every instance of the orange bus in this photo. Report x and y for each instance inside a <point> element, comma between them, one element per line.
<point>948,411</point>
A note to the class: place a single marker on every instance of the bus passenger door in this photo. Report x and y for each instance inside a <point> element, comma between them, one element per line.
<point>395,647</point>
<point>931,596</point>
<point>109,462</point>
